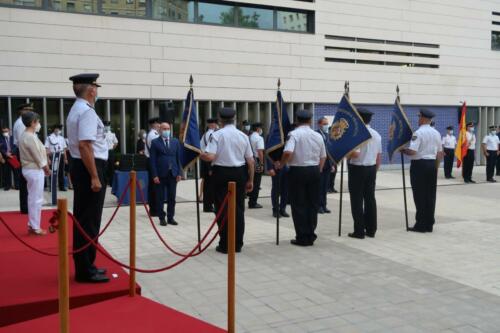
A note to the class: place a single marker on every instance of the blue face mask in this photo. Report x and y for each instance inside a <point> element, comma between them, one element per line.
<point>324,128</point>
<point>166,134</point>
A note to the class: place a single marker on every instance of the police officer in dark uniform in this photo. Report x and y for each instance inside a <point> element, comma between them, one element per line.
<point>232,160</point>
<point>206,168</point>
<point>89,150</point>
<point>305,153</point>
<point>279,188</point>
<point>425,151</point>
<point>323,130</point>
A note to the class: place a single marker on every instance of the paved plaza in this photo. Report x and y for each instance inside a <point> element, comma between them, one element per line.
<point>447,281</point>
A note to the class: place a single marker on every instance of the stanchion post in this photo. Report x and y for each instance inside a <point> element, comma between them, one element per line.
<point>132,197</point>
<point>62,206</point>
<point>231,258</point>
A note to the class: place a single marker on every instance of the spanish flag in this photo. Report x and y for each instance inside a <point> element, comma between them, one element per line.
<point>461,150</point>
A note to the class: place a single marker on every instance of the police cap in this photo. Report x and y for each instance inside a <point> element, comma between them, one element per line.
<point>449,127</point>
<point>470,124</point>
<point>26,107</point>
<point>106,123</point>
<point>256,125</point>
<point>152,121</point>
<point>304,115</point>
<point>57,126</point>
<point>85,78</point>
<point>364,111</point>
<point>492,127</point>
<point>426,113</point>
<point>212,121</point>
<point>227,113</point>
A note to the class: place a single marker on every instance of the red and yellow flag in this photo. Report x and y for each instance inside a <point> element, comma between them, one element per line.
<point>462,147</point>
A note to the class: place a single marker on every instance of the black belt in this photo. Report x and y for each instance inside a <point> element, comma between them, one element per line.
<point>228,167</point>
<point>97,161</point>
<point>304,167</point>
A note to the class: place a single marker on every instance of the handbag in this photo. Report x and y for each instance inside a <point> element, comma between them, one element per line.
<point>14,162</point>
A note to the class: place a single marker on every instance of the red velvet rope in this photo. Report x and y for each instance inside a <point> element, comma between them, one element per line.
<point>55,217</point>
<point>141,196</point>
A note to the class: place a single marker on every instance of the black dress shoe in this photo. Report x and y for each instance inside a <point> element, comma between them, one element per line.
<point>413,229</point>
<point>370,235</point>
<point>63,189</point>
<point>172,222</point>
<point>163,222</point>
<point>100,271</point>
<point>283,213</point>
<point>353,235</point>
<point>327,211</point>
<point>300,243</point>
<point>255,206</point>
<point>208,209</point>
<point>96,278</point>
<point>335,191</point>
<point>472,181</point>
<point>321,211</point>
<point>220,249</point>
<point>452,177</point>
<point>275,213</point>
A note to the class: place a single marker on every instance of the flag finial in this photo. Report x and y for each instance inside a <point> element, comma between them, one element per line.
<point>346,88</point>
<point>191,81</point>
<point>279,83</point>
<point>397,90</point>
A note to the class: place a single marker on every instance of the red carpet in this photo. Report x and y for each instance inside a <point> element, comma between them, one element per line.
<point>124,315</point>
<point>28,280</point>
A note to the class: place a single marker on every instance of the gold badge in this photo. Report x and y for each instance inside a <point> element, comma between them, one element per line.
<point>392,128</point>
<point>338,129</point>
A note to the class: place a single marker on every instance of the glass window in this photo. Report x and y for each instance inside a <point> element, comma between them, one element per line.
<point>495,40</point>
<point>173,10</point>
<point>216,14</point>
<point>292,21</point>
<point>134,8</point>
<point>78,6</point>
<point>24,3</point>
<point>255,18</point>
<point>4,113</point>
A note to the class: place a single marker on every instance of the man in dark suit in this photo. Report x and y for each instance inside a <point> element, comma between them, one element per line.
<point>7,150</point>
<point>166,171</point>
<point>327,168</point>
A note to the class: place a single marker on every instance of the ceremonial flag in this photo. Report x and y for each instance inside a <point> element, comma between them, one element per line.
<point>348,131</point>
<point>461,149</point>
<point>189,134</point>
<point>278,130</point>
<point>400,132</point>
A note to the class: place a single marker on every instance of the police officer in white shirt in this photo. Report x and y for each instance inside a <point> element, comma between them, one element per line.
<point>17,130</point>
<point>363,165</point>
<point>55,144</point>
<point>305,153</point>
<point>257,144</point>
<point>154,132</point>
<point>468,160</point>
<point>89,152</point>
<point>425,150</point>
<point>207,180</point>
<point>490,149</point>
<point>449,144</point>
<point>231,156</point>
<point>112,142</point>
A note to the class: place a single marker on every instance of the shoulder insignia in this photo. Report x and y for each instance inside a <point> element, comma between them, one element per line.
<point>413,138</point>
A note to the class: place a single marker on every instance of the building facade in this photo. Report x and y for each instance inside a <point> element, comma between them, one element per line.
<point>439,53</point>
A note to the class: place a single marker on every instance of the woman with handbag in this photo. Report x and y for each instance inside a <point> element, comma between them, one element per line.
<point>34,168</point>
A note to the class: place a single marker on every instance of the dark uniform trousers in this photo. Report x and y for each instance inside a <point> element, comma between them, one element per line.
<point>7,172</point>
<point>491,161</point>
<point>254,195</point>
<point>468,165</point>
<point>222,176</point>
<point>87,209</point>
<point>60,171</point>
<point>448,161</point>
<point>151,192</point>
<point>331,185</point>
<point>168,184</point>
<point>110,167</point>
<point>303,185</point>
<point>279,187</point>
<point>423,177</point>
<point>362,193</point>
<point>23,190</point>
<point>208,185</point>
<point>324,185</point>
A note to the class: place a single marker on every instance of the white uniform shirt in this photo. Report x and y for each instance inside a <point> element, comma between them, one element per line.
<point>491,141</point>
<point>306,145</point>
<point>111,140</point>
<point>83,124</point>
<point>426,141</point>
<point>55,143</point>
<point>449,141</point>
<point>369,151</point>
<point>230,146</point>
<point>471,140</point>
<point>17,130</point>
<point>257,143</point>
<point>205,139</point>
<point>153,134</point>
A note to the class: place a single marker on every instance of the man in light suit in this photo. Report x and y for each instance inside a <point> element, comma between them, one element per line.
<point>166,169</point>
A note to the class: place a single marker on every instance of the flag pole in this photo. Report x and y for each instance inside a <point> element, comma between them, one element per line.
<point>278,187</point>
<point>404,189</point>
<point>196,177</point>
<point>341,195</point>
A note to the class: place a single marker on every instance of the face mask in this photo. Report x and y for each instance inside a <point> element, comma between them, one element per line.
<point>96,98</point>
<point>493,132</point>
<point>324,128</point>
<point>57,132</point>
<point>247,127</point>
<point>38,127</point>
<point>471,129</point>
<point>144,136</point>
<point>259,132</point>
<point>166,133</point>
<point>450,132</point>
<point>107,128</point>
<point>5,134</point>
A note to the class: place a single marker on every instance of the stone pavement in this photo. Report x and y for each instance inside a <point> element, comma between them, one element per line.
<point>448,281</point>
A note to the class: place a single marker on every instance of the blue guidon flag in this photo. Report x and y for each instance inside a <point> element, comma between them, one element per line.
<point>278,130</point>
<point>400,132</point>
<point>348,131</point>
<point>189,134</point>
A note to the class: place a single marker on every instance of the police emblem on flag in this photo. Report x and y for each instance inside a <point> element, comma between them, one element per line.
<point>392,128</point>
<point>338,129</point>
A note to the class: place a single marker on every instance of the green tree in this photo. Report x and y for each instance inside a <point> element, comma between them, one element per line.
<point>249,21</point>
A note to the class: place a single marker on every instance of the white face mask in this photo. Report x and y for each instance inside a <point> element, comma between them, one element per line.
<point>450,132</point>
<point>38,127</point>
<point>247,127</point>
<point>471,129</point>
<point>493,132</point>
<point>324,128</point>
<point>5,134</point>
<point>259,132</point>
<point>144,136</point>
<point>57,132</point>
